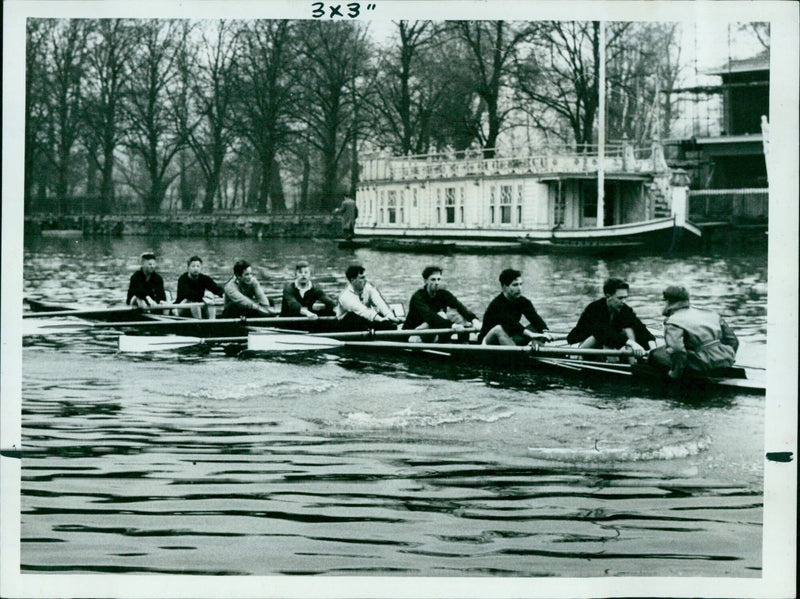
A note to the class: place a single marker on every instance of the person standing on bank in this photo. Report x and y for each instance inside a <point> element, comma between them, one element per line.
<point>192,287</point>
<point>300,295</point>
<point>501,322</point>
<point>243,294</point>
<point>428,307</point>
<point>361,306</point>
<point>699,341</point>
<point>349,212</point>
<point>146,287</point>
<point>610,323</point>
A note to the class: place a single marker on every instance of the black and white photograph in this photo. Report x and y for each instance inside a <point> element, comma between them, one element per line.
<point>399,299</point>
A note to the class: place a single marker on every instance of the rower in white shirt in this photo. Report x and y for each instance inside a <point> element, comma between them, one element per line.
<point>361,306</point>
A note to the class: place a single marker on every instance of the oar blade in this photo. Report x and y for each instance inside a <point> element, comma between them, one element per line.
<point>146,343</point>
<point>290,343</point>
<point>32,327</point>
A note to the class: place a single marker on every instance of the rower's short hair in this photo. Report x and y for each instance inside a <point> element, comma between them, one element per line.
<point>240,267</point>
<point>676,293</point>
<point>508,276</point>
<point>611,286</point>
<point>353,271</point>
<point>301,264</point>
<point>148,256</point>
<point>429,270</point>
<point>194,259</point>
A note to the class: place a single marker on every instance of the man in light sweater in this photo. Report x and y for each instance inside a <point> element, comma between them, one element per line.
<point>361,306</point>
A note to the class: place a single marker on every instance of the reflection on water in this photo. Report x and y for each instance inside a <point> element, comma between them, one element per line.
<point>202,463</point>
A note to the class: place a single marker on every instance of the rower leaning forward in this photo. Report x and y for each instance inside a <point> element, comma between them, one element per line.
<point>502,321</point>
<point>244,297</point>
<point>696,341</point>
<point>361,306</point>
<point>434,307</point>
<point>610,323</point>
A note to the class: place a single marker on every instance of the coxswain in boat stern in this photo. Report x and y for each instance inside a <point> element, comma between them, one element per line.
<point>244,297</point>
<point>501,322</point>
<point>146,287</point>
<point>434,307</point>
<point>301,297</point>
<point>696,341</point>
<point>361,306</point>
<point>192,287</point>
<point>611,324</point>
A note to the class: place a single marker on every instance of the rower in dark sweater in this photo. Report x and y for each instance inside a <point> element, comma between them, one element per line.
<point>434,307</point>
<point>610,323</point>
<point>192,287</point>
<point>146,287</point>
<point>300,296</point>
<point>501,322</point>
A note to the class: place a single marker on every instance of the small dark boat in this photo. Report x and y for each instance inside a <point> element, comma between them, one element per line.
<point>353,244</point>
<point>420,246</point>
<point>592,247</point>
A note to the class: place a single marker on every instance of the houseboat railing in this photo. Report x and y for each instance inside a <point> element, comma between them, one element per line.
<point>619,157</point>
<point>729,205</point>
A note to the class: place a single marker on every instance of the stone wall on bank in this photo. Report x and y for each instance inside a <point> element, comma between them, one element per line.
<point>284,225</point>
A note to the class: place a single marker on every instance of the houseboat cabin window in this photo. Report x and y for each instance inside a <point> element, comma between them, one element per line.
<point>414,200</point>
<point>439,206</point>
<point>505,204</point>
<point>589,204</point>
<point>519,204</point>
<point>491,203</point>
<point>391,207</point>
<point>402,205</point>
<point>560,205</point>
<point>461,205</point>
<point>450,204</point>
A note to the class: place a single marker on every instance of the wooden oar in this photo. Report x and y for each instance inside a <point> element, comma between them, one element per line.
<point>146,343</point>
<point>119,310</point>
<point>280,342</point>
<point>35,327</point>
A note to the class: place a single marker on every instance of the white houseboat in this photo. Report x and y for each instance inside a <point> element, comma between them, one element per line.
<point>543,198</point>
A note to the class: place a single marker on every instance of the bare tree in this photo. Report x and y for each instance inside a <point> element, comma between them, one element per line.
<point>562,75</point>
<point>212,94</point>
<point>328,52</point>
<point>37,109</point>
<point>266,88</point>
<point>642,69</point>
<point>154,135</point>
<point>66,51</point>
<point>110,48</point>
<point>492,48</point>
<point>406,93</point>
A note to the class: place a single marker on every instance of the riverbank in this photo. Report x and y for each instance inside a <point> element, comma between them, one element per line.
<point>193,225</point>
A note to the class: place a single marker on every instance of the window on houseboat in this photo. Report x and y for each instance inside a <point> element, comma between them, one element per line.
<point>519,204</point>
<point>438,206</point>
<point>505,204</point>
<point>391,207</point>
<point>491,204</point>
<point>461,206</point>
<point>414,201</point>
<point>560,204</point>
<point>450,204</point>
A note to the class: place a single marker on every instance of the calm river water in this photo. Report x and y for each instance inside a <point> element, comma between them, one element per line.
<point>324,464</point>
